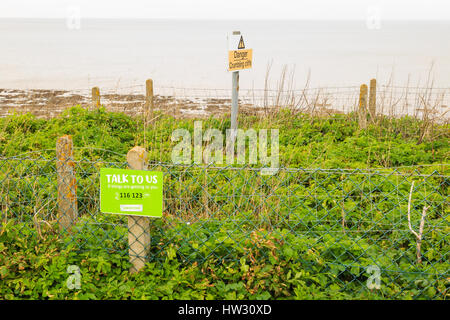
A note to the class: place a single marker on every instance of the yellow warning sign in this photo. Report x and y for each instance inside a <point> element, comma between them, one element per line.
<point>240,59</point>
<point>241,44</point>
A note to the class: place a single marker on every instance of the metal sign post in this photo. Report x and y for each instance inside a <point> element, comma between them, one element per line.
<point>239,58</point>
<point>234,102</point>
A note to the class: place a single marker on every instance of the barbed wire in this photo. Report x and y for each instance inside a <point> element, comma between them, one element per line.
<point>201,167</point>
<point>141,86</point>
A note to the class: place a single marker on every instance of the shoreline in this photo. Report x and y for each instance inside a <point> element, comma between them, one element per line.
<point>45,103</point>
<point>201,103</point>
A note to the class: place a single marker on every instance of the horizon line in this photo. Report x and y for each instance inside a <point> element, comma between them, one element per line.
<point>224,19</point>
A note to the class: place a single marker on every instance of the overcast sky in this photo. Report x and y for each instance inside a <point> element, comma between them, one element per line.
<point>230,9</point>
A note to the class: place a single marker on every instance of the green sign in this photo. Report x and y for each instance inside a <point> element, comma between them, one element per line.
<point>131,192</point>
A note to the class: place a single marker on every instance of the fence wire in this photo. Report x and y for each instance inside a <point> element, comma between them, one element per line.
<point>334,221</point>
<point>420,102</point>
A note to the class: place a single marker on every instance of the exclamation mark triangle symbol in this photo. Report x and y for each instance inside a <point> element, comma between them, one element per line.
<point>241,44</point>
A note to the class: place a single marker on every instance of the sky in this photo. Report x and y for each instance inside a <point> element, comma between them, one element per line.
<point>229,9</point>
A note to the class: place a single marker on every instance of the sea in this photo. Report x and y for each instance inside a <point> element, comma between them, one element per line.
<point>58,54</point>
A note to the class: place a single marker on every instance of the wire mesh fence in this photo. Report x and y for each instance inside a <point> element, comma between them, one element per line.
<point>333,221</point>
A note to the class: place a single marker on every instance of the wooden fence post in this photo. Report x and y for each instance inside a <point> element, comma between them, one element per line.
<point>373,100</point>
<point>96,97</point>
<point>138,227</point>
<point>67,185</point>
<point>148,100</point>
<point>362,107</point>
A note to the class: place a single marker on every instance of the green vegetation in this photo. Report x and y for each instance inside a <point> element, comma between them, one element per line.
<point>300,234</point>
<point>332,142</point>
<point>36,268</point>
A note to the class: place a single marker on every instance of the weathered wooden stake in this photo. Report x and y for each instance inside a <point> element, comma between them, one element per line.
<point>148,100</point>
<point>138,227</point>
<point>362,107</point>
<point>373,100</point>
<point>96,97</point>
<point>67,185</point>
